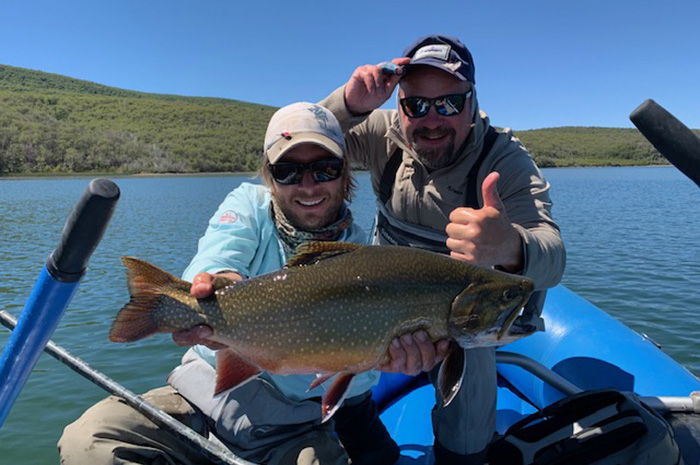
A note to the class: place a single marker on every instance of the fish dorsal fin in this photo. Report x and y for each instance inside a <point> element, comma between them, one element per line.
<point>141,273</point>
<point>312,252</point>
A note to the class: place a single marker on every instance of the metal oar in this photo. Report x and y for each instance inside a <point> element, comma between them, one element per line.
<point>210,449</point>
<point>672,139</point>
<point>55,287</point>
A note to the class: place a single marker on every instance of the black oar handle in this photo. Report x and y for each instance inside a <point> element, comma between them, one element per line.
<point>672,139</point>
<point>83,231</point>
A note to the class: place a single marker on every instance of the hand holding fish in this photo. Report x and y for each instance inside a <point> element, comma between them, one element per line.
<point>485,237</point>
<point>414,353</point>
<point>202,287</point>
<point>370,86</point>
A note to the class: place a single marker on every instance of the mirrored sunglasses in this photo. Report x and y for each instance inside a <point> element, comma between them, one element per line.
<point>446,105</point>
<point>328,169</point>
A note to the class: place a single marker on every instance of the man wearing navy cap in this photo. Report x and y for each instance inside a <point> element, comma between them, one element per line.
<point>447,181</point>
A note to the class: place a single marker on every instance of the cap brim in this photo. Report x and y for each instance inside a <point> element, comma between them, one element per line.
<point>441,65</point>
<point>282,146</point>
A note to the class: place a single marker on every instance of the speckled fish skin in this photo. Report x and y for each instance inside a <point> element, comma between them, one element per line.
<point>336,314</point>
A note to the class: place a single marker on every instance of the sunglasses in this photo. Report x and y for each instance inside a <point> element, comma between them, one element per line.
<point>446,105</point>
<point>328,169</point>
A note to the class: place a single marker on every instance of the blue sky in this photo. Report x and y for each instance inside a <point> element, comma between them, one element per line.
<point>538,63</point>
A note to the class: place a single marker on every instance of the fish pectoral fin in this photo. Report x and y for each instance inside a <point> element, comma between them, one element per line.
<point>335,395</point>
<point>232,370</point>
<point>312,252</point>
<point>451,374</point>
<point>320,380</point>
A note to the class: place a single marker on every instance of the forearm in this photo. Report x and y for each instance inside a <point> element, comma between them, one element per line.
<point>544,255</point>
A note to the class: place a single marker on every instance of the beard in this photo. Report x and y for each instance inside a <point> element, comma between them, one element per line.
<point>305,221</point>
<point>435,157</point>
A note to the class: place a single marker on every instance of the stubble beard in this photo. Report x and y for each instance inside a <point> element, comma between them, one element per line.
<point>435,158</point>
<point>303,223</point>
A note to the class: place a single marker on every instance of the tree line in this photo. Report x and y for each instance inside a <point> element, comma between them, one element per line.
<point>55,124</point>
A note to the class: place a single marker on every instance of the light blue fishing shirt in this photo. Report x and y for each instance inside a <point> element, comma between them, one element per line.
<point>242,237</point>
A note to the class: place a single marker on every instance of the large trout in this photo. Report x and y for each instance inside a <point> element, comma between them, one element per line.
<point>334,308</point>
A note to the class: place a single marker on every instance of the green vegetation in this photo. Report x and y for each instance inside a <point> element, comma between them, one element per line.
<point>582,146</point>
<point>52,124</point>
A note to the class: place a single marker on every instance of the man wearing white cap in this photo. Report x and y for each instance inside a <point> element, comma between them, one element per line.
<point>270,419</point>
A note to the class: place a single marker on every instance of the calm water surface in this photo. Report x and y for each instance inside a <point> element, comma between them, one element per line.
<point>631,236</point>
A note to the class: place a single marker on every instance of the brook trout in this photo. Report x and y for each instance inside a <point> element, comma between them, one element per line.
<point>334,308</point>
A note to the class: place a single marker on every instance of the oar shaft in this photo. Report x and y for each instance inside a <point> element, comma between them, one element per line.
<point>213,451</point>
<point>55,288</point>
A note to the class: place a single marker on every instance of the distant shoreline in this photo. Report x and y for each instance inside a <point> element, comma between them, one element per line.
<point>221,174</point>
<point>213,174</point>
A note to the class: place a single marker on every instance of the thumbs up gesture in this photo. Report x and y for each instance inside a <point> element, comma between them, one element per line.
<point>485,237</point>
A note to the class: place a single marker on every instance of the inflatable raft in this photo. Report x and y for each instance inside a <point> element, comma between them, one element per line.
<point>582,344</point>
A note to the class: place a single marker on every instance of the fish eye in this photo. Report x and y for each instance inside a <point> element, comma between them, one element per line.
<point>507,294</point>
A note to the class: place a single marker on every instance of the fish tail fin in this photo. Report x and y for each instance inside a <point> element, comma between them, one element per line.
<point>147,284</point>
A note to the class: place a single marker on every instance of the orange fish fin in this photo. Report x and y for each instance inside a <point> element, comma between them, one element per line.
<point>144,277</point>
<point>335,395</point>
<point>312,252</point>
<point>135,320</point>
<point>320,380</point>
<point>232,370</point>
<point>146,285</point>
<point>451,374</point>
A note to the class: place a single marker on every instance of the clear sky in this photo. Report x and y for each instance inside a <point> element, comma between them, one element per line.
<point>539,63</point>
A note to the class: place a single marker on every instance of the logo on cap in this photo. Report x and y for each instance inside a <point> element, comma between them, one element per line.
<point>320,116</point>
<point>438,51</point>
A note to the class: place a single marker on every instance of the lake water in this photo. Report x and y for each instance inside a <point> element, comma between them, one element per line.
<point>631,235</point>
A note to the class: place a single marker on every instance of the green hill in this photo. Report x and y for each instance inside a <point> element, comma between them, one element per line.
<point>56,124</point>
<point>589,146</point>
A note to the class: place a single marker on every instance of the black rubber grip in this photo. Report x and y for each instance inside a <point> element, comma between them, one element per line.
<point>83,231</point>
<point>672,139</point>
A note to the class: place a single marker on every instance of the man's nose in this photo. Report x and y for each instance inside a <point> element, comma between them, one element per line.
<point>307,180</point>
<point>432,119</point>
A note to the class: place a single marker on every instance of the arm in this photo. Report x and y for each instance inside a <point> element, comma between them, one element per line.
<point>355,106</point>
<point>228,244</point>
<point>231,239</point>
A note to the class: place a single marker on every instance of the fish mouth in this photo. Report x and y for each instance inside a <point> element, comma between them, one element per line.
<point>512,317</point>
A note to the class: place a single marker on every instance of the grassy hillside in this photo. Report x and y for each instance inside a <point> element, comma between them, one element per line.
<point>55,124</point>
<point>51,123</point>
<point>589,146</point>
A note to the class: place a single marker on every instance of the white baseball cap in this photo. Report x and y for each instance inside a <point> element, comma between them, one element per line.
<point>303,123</point>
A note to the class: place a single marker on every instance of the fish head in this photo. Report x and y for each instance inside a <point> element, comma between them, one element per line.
<point>484,311</point>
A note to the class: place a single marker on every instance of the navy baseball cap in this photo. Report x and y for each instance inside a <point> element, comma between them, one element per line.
<point>442,52</point>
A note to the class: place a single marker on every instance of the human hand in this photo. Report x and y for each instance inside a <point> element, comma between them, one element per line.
<point>369,86</point>
<point>203,285</point>
<point>413,353</point>
<point>485,237</point>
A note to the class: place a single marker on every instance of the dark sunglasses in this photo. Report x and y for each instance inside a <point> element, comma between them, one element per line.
<point>328,169</point>
<point>446,105</point>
